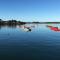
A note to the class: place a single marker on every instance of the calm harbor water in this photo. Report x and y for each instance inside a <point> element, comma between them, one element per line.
<point>30,42</point>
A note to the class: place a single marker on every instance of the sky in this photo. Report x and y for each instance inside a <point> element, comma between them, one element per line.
<point>30,10</point>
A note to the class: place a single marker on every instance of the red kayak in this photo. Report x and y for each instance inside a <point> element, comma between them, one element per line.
<point>54,28</point>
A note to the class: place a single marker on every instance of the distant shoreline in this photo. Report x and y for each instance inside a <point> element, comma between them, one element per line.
<point>43,22</point>
<point>15,22</point>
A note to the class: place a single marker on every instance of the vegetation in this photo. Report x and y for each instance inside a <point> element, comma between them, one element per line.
<point>11,22</point>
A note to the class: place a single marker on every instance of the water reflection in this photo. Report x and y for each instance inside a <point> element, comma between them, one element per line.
<point>24,27</point>
<point>30,27</point>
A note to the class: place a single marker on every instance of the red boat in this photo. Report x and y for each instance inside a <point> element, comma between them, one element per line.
<point>54,28</point>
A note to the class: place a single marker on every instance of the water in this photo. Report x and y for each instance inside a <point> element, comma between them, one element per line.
<point>30,42</point>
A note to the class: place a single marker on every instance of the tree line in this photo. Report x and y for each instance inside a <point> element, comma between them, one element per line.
<point>11,22</point>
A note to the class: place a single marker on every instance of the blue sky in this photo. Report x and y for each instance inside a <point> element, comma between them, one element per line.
<point>30,10</point>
